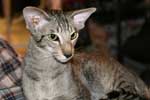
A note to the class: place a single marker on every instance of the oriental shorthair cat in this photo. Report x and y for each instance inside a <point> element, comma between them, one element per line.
<point>53,71</point>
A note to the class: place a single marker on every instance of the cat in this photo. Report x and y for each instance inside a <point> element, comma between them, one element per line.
<point>52,70</point>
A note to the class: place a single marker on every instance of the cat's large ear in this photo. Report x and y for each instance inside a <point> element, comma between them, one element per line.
<point>35,18</point>
<point>80,17</point>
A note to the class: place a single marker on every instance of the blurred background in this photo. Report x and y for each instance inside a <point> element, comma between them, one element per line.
<point>121,25</point>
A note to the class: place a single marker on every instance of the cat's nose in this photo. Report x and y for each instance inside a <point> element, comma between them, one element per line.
<point>67,55</point>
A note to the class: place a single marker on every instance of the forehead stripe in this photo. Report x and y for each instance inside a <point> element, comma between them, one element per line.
<point>62,21</point>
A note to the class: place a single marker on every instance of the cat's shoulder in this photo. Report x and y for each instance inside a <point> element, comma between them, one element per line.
<point>94,56</point>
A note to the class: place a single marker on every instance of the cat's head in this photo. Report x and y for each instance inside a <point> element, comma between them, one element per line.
<point>56,32</point>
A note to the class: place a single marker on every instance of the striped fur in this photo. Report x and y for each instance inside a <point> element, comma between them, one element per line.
<point>49,75</point>
<point>107,79</point>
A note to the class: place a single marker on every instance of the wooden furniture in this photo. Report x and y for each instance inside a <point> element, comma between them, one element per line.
<point>7,12</point>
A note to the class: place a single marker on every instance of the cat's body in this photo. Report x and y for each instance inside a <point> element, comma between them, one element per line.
<point>40,79</point>
<point>50,72</point>
<point>103,76</point>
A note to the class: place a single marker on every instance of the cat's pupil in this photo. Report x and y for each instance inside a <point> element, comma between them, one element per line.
<point>53,37</point>
<point>73,36</point>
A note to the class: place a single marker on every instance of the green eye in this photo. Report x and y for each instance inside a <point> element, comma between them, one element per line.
<point>53,37</point>
<point>74,35</point>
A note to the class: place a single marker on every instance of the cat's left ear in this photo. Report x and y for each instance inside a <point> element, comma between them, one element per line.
<point>80,17</point>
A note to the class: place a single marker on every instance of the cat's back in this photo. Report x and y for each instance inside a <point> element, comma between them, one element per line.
<point>101,74</point>
<point>87,66</point>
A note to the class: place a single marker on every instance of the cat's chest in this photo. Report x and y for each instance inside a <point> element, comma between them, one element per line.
<point>57,82</point>
<point>55,74</point>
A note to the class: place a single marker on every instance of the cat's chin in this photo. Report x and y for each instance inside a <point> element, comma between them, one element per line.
<point>64,60</point>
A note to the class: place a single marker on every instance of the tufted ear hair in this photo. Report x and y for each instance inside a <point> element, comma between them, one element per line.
<point>80,17</point>
<point>35,18</point>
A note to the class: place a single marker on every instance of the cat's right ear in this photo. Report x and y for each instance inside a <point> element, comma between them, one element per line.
<point>35,18</point>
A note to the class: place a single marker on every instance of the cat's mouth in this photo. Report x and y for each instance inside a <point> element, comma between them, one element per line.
<point>63,59</point>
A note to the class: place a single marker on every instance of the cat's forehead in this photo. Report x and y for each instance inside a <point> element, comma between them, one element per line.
<point>56,14</point>
<point>59,21</point>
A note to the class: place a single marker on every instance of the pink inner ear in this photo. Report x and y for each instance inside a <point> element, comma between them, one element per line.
<point>82,17</point>
<point>79,19</point>
<point>35,20</point>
